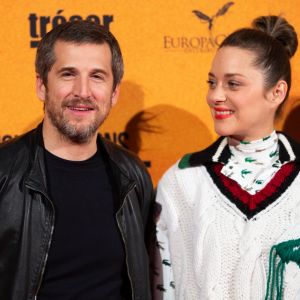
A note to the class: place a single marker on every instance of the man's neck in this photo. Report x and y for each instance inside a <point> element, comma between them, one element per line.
<point>64,148</point>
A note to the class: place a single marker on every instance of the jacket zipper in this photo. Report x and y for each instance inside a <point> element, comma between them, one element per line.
<point>126,260</point>
<point>44,263</point>
<point>48,246</point>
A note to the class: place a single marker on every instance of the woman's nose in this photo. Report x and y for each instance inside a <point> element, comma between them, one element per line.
<point>217,95</point>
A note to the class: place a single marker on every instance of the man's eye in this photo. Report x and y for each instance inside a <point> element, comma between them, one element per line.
<point>98,76</point>
<point>67,74</point>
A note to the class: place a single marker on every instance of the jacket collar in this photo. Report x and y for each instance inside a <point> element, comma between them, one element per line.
<point>289,150</point>
<point>37,173</point>
<point>114,157</point>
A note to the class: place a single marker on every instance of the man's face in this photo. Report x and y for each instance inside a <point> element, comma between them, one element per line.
<point>79,92</point>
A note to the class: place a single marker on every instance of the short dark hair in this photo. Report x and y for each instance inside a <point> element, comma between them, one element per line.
<point>274,41</point>
<point>78,32</point>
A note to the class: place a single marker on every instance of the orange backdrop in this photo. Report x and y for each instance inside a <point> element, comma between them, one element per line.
<point>167,48</point>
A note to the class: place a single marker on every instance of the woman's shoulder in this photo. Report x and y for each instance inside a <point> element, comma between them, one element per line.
<point>178,169</point>
<point>214,153</point>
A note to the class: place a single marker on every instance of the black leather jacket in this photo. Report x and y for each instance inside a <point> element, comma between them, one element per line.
<point>27,216</point>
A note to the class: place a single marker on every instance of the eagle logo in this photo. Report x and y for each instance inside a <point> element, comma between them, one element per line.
<point>210,20</point>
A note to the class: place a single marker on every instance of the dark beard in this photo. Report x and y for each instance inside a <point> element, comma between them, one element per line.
<point>76,134</point>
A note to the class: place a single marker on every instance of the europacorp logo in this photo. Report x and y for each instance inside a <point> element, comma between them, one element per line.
<point>199,43</point>
<point>40,25</point>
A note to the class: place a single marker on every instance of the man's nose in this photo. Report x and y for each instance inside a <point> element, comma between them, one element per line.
<point>82,88</point>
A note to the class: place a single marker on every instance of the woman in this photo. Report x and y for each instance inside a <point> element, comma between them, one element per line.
<point>229,227</point>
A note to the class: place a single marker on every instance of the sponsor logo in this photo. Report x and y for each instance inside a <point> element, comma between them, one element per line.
<point>40,25</point>
<point>209,20</point>
<point>198,43</point>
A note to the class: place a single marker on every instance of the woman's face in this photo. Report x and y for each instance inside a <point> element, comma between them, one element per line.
<point>240,105</point>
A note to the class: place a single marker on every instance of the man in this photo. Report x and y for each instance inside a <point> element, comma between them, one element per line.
<point>73,207</point>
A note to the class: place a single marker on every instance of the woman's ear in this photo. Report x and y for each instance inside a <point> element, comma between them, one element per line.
<point>278,92</point>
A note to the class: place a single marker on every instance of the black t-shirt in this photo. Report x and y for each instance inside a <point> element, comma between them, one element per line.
<point>86,259</point>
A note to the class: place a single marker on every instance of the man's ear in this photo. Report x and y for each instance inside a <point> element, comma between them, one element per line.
<point>40,88</point>
<point>115,95</point>
<point>278,92</point>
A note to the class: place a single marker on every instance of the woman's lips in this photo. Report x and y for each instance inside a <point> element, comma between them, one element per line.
<point>223,113</point>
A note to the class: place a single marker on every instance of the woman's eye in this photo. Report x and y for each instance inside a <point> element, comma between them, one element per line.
<point>211,83</point>
<point>233,84</point>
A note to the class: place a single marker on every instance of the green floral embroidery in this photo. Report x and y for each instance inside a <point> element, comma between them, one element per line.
<point>245,172</point>
<point>161,288</point>
<point>229,175</point>
<point>266,138</point>
<point>276,165</point>
<point>166,262</point>
<point>159,245</point>
<point>259,181</point>
<point>274,153</point>
<point>249,159</point>
<point>245,143</point>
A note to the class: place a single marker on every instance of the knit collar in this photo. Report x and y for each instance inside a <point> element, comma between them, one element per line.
<point>251,148</point>
<point>253,164</point>
<point>289,150</point>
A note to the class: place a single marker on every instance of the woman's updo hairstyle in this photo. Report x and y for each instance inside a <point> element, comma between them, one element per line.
<point>274,41</point>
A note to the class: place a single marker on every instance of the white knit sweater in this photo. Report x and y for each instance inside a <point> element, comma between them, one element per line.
<point>215,251</point>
